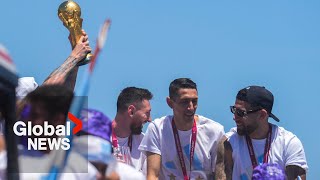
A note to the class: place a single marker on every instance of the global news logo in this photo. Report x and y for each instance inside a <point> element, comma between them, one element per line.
<point>47,137</point>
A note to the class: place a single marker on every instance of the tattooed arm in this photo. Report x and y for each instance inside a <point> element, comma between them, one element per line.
<point>219,170</point>
<point>228,161</point>
<point>224,163</point>
<point>66,73</point>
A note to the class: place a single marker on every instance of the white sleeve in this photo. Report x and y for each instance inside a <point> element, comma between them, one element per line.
<point>151,140</point>
<point>128,172</point>
<point>294,154</point>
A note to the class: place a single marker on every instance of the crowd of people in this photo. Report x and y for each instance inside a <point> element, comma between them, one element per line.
<point>183,145</point>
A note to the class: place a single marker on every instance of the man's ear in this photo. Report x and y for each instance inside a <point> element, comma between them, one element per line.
<point>169,102</point>
<point>264,114</point>
<point>130,110</point>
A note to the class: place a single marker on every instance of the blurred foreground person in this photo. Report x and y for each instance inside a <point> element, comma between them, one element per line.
<point>94,143</point>
<point>9,168</point>
<point>48,105</point>
<point>268,172</point>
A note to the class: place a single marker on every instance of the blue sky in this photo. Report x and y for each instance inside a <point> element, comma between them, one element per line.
<point>222,45</point>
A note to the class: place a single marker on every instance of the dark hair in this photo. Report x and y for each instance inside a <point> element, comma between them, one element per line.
<point>131,95</point>
<point>180,83</point>
<point>54,98</point>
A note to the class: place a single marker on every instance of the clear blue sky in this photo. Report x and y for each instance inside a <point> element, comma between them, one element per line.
<point>222,45</point>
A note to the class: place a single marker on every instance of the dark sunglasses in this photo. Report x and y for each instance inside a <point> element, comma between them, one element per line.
<point>242,113</point>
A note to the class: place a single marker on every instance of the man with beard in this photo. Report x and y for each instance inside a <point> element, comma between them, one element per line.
<point>133,111</point>
<point>256,141</point>
<point>182,146</point>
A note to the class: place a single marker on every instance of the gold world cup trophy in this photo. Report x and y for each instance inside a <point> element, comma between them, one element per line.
<point>69,13</point>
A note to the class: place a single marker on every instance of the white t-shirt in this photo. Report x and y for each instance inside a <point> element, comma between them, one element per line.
<point>138,159</point>
<point>286,149</point>
<point>127,172</point>
<point>159,139</point>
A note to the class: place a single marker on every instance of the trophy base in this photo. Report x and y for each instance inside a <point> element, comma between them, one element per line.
<point>85,61</point>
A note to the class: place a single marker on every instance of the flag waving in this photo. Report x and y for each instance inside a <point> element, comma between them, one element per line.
<point>103,34</point>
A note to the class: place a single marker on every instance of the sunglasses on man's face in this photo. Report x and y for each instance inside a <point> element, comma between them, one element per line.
<point>242,113</point>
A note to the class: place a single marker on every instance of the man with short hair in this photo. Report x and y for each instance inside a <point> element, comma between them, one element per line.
<point>50,103</point>
<point>255,141</point>
<point>133,111</point>
<point>182,146</point>
<point>47,103</point>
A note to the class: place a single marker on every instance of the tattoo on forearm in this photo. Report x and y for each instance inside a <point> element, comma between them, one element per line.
<point>71,79</point>
<point>219,169</point>
<point>228,161</point>
<point>60,74</point>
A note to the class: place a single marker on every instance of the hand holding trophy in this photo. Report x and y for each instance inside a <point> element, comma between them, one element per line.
<point>69,13</point>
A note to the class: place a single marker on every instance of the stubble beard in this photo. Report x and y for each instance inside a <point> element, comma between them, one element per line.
<point>246,130</point>
<point>136,130</point>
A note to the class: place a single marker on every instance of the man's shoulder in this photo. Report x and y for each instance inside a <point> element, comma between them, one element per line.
<point>232,133</point>
<point>284,134</point>
<point>210,128</point>
<point>204,121</point>
<point>159,122</point>
<point>291,146</point>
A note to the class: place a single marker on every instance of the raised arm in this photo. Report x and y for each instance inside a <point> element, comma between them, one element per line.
<point>224,163</point>
<point>153,166</point>
<point>66,73</point>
